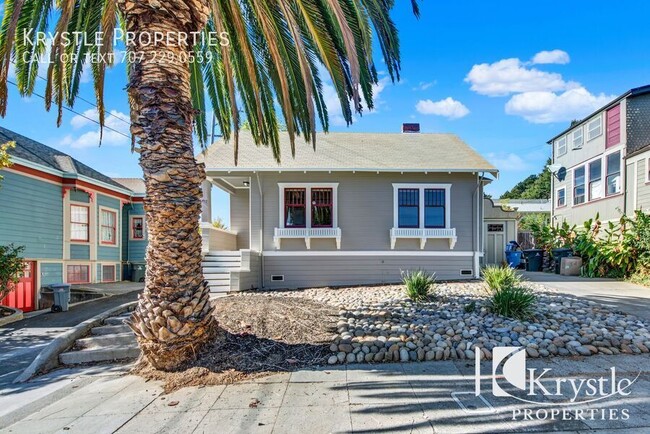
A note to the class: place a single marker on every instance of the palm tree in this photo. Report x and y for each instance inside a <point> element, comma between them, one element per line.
<point>250,53</point>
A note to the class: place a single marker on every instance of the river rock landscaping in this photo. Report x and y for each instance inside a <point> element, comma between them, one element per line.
<point>379,324</point>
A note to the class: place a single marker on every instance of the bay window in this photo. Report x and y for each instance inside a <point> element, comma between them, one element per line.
<point>613,179</point>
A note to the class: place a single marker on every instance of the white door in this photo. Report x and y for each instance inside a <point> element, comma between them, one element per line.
<point>496,243</point>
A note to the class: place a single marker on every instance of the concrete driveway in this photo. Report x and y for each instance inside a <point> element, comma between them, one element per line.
<point>21,341</point>
<point>624,296</point>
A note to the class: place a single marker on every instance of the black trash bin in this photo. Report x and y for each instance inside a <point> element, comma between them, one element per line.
<point>558,254</point>
<point>534,259</point>
<point>138,271</point>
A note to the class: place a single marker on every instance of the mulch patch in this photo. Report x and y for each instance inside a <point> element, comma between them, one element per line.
<point>258,336</point>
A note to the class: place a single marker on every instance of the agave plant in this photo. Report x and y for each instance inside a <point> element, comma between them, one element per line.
<point>273,54</point>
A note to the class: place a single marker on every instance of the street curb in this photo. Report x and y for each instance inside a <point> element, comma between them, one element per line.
<point>48,358</point>
<point>16,316</point>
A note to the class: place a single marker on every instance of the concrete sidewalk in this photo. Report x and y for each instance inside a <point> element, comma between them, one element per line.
<point>21,341</point>
<point>624,296</point>
<point>414,397</point>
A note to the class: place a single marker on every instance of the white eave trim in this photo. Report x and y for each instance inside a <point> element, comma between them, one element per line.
<point>221,171</point>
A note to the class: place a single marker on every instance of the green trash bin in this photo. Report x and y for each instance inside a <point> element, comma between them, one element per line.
<point>534,259</point>
<point>558,254</point>
<point>61,297</point>
<point>137,272</point>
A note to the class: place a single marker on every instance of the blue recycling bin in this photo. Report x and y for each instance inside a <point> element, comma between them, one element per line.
<point>513,258</point>
<point>61,297</point>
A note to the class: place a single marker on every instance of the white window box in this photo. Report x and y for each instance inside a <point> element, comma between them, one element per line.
<point>308,234</point>
<point>423,235</point>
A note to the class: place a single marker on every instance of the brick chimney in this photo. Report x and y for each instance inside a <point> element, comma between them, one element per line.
<point>410,128</point>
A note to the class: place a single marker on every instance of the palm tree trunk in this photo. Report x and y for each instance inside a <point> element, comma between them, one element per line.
<point>174,315</point>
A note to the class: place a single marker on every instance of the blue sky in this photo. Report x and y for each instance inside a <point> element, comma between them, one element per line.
<point>505,76</point>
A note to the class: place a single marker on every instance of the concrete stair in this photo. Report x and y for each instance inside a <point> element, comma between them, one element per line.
<point>217,266</point>
<point>111,341</point>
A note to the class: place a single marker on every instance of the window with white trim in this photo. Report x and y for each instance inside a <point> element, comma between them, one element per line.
<point>647,170</point>
<point>594,128</point>
<point>304,205</point>
<point>579,185</point>
<point>595,178</point>
<point>561,197</point>
<point>577,138</point>
<point>613,179</point>
<point>421,205</point>
<point>79,223</point>
<point>107,227</point>
<point>560,146</point>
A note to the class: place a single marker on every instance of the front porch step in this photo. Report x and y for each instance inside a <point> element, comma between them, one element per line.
<point>116,320</point>
<point>117,340</point>
<point>224,253</point>
<point>219,289</point>
<point>110,330</point>
<point>103,354</point>
<point>219,270</point>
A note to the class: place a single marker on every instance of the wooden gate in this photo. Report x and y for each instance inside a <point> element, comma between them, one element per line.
<point>24,296</point>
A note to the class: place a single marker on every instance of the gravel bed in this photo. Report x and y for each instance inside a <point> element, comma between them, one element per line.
<point>379,324</point>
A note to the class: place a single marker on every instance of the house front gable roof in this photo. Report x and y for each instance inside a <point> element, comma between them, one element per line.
<point>416,152</point>
<point>43,155</point>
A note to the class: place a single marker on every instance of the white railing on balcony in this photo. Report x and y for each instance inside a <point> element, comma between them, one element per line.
<point>423,235</point>
<point>214,239</point>
<point>308,234</point>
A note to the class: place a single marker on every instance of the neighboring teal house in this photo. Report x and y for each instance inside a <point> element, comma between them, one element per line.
<point>77,225</point>
<point>134,234</point>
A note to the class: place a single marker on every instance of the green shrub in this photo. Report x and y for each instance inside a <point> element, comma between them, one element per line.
<point>470,307</point>
<point>513,302</point>
<point>418,284</point>
<point>11,267</point>
<point>500,277</point>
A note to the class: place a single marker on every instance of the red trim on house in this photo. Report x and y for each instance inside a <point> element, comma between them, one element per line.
<point>70,183</point>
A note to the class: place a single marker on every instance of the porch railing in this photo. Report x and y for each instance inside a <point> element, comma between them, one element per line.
<point>214,239</point>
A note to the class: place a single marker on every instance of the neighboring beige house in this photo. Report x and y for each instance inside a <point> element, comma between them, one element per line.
<point>601,163</point>
<point>357,210</point>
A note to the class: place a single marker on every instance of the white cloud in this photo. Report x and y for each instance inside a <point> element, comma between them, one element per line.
<point>448,107</point>
<point>117,121</point>
<point>559,57</point>
<point>424,85</point>
<point>508,161</point>
<point>546,107</point>
<point>509,76</point>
